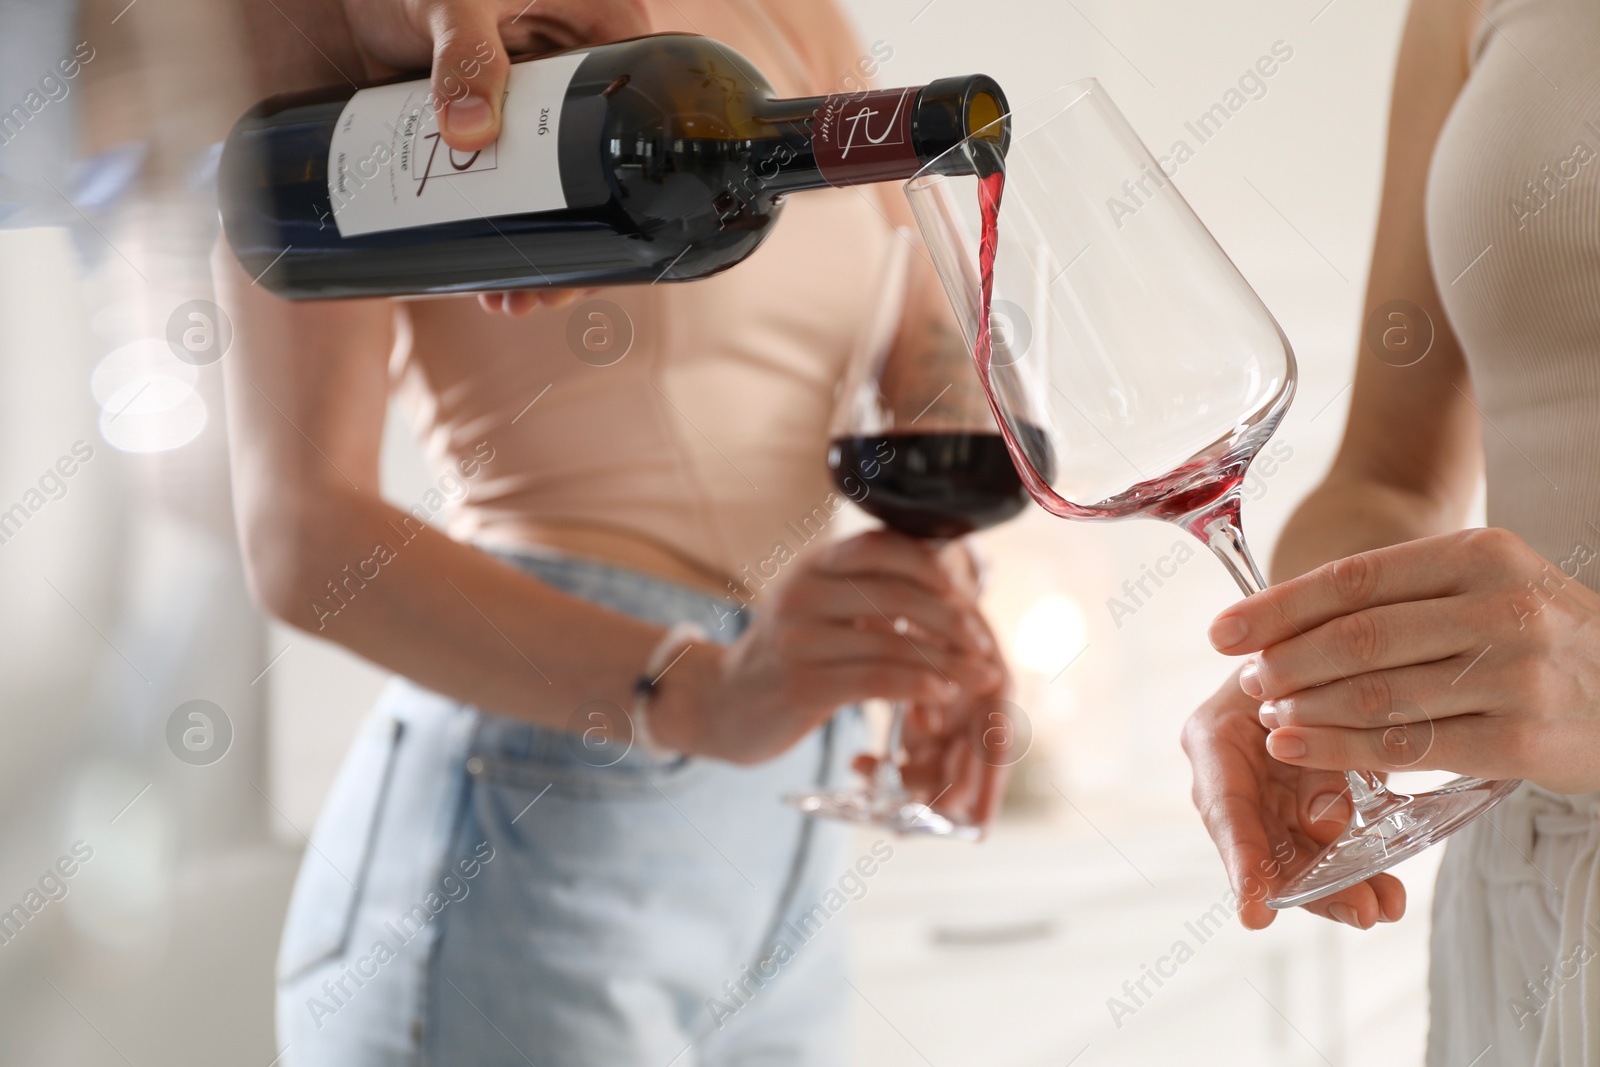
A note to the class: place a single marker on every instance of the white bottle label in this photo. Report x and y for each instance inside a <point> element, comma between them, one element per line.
<point>389,169</point>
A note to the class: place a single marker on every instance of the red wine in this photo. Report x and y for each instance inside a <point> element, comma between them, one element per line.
<point>991,187</point>
<point>938,485</point>
<point>659,159</point>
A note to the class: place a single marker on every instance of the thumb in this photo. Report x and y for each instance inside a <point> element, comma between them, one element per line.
<point>1323,803</point>
<point>470,69</point>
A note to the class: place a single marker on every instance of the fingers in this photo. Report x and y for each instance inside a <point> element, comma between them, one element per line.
<point>893,578</point>
<point>1223,741</point>
<point>885,580</point>
<point>1237,829</point>
<point>470,46</point>
<point>945,767</point>
<point>1323,804</point>
<point>954,780</point>
<point>1483,746</point>
<point>1375,639</point>
<point>1381,699</point>
<point>470,69</point>
<point>965,562</point>
<point>819,646</point>
<point>883,552</point>
<point>990,792</point>
<point>852,681</point>
<point>1417,570</point>
<point>1264,836</point>
<point>1379,899</point>
<point>519,302</point>
<point>553,24</point>
<point>893,605</point>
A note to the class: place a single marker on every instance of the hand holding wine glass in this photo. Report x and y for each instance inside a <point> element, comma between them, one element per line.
<point>1267,817</point>
<point>958,753</point>
<point>1467,651</point>
<point>1139,376</point>
<point>815,645</point>
<point>916,446</point>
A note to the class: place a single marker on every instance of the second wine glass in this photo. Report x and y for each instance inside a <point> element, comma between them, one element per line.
<point>914,444</point>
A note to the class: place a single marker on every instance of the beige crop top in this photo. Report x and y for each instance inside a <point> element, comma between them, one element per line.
<point>710,434</point>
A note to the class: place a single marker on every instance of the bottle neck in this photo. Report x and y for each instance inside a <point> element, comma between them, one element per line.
<point>803,148</point>
<point>877,135</point>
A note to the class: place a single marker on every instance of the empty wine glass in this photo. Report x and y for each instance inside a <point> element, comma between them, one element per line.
<point>1135,373</point>
<point>913,443</point>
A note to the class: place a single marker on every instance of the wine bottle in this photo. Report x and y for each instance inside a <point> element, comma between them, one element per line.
<point>663,158</point>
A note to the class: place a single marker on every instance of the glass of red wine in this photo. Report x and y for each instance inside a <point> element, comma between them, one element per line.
<point>914,444</point>
<point>1119,343</point>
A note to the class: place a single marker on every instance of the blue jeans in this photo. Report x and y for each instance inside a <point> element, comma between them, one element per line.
<point>483,891</point>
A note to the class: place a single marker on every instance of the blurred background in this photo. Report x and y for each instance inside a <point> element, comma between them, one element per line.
<point>122,599</point>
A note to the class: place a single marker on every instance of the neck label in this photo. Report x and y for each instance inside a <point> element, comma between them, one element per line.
<point>865,137</point>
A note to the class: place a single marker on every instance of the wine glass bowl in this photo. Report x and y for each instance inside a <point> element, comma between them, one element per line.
<point>1123,331</point>
<point>1134,372</point>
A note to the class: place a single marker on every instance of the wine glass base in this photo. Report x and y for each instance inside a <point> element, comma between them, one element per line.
<point>1398,830</point>
<point>892,811</point>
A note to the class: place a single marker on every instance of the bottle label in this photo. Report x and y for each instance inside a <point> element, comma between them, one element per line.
<point>388,168</point>
<point>865,137</point>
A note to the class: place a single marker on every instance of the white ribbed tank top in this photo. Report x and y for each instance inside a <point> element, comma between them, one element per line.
<point>1514,234</point>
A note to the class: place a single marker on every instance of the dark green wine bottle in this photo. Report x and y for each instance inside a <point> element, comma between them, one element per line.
<point>663,158</point>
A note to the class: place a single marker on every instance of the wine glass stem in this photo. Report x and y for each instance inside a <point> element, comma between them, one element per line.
<point>1220,529</point>
<point>888,780</point>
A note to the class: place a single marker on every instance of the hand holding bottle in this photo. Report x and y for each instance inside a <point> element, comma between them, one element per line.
<point>468,43</point>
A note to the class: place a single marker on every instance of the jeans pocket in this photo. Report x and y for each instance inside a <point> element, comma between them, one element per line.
<point>635,778</point>
<point>327,890</point>
<point>580,762</point>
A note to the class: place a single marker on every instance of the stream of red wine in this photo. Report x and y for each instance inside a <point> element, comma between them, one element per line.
<point>1181,492</point>
<point>990,189</point>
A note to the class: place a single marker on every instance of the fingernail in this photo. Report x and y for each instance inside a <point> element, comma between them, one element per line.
<point>1227,631</point>
<point>1388,917</point>
<point>1330,807</point>
<point>1346,914</point>
<point>468,116</point>
<point>1250,677</point>
<point>1269,715</point>
<point>1282,747</point>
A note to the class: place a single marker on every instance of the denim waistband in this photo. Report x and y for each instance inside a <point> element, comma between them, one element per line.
<point>573,758</point>
<point>630,592</point>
